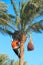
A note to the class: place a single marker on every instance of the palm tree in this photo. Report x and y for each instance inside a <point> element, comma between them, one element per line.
<point>23,21</point>
<point>5,60</point>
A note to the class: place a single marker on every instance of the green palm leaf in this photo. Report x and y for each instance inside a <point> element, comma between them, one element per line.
<point>7,17</point>
<point>3,7</point>
<point>14,7</point>
<point>5,23</point>
<point>6,20</point>
<point>39,3</point>
<point>36,27</point>
<point>6,31</point>
<point>29,12</point>
<point>3,58</point>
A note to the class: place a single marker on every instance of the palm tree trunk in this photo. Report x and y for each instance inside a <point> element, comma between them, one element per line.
<point>21,61</point>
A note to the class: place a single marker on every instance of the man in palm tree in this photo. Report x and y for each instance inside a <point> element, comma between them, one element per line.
<point>16,42</point>
<point>16,47</point>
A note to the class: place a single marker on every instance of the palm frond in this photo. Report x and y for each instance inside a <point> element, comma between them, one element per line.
<point>18,21</point>
<point>39,3</point>
<point>29,11</point>
<point>6,20</point>
<point>3,22</point>
<point>36,27</point>
<point>14,7</point>
<point>5,31</point>
<point>3,10</point>
<point>3,58</point>
<point>11,16</point>
<point>8,17</point>
<point>3,7</point>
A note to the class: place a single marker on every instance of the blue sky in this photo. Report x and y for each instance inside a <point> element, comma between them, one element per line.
<point>34,57</point>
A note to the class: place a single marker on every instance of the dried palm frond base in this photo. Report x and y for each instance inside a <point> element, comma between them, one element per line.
<point>16,35</point>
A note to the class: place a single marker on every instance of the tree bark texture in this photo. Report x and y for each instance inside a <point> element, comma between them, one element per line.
<point>21,61</point>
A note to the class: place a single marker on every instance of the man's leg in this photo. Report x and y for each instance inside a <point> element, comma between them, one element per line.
<point>17,52</point>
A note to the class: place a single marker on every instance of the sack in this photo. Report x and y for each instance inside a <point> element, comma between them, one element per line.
<point>30,46</point>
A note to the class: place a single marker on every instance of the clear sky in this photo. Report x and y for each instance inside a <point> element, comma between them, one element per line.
<point>34,57</point>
